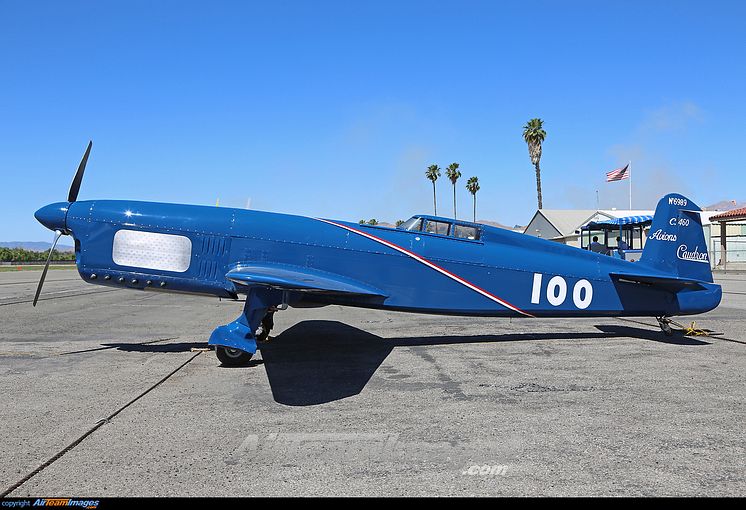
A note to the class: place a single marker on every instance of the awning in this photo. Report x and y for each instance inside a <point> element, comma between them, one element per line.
<point>625,220</point>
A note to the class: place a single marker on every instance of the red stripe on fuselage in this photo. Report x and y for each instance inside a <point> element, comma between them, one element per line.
<point>430,265</point>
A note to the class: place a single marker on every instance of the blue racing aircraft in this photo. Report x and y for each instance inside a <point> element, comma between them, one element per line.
<point>428,265</point>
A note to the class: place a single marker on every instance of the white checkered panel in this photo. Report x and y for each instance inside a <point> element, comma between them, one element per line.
<point>151,250</point>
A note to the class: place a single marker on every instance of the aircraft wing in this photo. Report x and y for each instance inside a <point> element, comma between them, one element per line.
<point>297,278</point>
<point>672,283</point>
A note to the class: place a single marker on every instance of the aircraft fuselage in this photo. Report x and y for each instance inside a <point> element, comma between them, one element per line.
<point>186,248</point>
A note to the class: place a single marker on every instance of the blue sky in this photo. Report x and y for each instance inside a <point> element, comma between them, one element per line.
<point>335,109</point>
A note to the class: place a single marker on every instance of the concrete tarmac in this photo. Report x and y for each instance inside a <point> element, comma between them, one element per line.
<point>103,395</point>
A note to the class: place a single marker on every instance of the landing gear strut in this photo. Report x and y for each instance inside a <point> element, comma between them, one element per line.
<point>235,343</point>
<point>268,322</point>
<point>665,324</point>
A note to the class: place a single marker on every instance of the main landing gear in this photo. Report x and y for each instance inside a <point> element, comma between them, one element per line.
<point>235,343</point>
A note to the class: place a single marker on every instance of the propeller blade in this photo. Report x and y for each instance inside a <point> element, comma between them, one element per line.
<point>46,266</point>
<point>75,186</point>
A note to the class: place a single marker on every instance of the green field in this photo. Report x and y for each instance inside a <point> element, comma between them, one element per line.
<point>4,269</point>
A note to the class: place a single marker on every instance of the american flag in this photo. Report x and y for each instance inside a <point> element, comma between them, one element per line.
<point>618,174</point>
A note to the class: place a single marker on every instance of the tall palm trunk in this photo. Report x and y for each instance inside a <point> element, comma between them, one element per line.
<point>475,207</point>
<point>454,200</point>
<point>534,135</point>
<point>435,202</point>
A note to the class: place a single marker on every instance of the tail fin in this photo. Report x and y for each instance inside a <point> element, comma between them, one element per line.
<point>676,242</point>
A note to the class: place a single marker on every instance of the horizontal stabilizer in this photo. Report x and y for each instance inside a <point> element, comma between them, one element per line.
<point>672,283</point>
<point>303,279</point>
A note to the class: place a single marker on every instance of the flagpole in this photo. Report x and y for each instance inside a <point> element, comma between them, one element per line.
<point>630,184</point>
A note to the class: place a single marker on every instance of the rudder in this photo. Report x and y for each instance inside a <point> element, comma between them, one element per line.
<point>676,242</point>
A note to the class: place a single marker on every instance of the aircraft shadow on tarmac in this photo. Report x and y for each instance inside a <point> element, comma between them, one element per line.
<point>172,347</point>
<point>316,362</point>
<point>677,338</point>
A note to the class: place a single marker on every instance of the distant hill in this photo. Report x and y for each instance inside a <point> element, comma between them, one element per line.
<point>34,246</point>
<point>725,205</point>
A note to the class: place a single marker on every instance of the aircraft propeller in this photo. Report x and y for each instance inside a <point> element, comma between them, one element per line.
<point>72,196</point>
<point>49,215</point>
<point>58,234</point>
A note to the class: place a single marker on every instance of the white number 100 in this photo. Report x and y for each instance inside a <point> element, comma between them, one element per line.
<point>582,291</point>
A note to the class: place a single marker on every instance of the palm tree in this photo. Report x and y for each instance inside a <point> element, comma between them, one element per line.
<point>534,135</point>
<point>453,174</point>
<point>432,173</point>
<point>473,186</point>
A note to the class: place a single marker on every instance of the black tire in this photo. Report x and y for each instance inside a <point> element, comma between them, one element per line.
<point>232,357</point>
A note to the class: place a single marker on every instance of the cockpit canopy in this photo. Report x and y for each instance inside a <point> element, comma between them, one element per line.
<point>443,227</point>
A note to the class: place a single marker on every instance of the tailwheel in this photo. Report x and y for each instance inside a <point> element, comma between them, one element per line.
<point>230,357</point>
<point>665,324</point>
